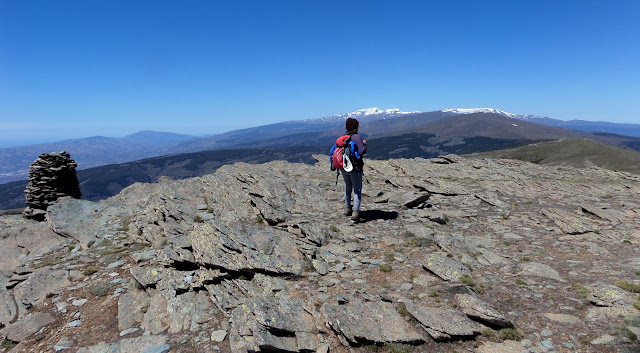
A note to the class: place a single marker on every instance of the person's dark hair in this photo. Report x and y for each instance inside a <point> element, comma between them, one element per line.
<point>352,125</point>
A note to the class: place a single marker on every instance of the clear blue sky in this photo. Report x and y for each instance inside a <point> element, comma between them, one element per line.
<point>73,69</point>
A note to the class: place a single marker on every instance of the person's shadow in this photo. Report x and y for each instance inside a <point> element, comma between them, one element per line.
<point>372,215</point>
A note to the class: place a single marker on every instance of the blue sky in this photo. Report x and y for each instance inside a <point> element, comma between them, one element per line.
<point>73,69</point>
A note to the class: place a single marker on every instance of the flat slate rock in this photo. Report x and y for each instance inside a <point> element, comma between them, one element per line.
<point>246,249</point>
<point>478,310</point>
<point>445,267</point>
<point>540,270</point>
<point>274,324</point>
<point>8,308</point>
<point>569,223</point>
<point>444,324</point>
<point>21,330</point>
<point>142,344</point>
<point>43,282</point>
<point>370,322</point>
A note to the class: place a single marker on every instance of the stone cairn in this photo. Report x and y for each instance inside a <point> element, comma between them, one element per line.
<point>51,176</point>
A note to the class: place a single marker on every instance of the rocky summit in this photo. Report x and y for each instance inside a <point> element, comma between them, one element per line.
<point>453,255</point>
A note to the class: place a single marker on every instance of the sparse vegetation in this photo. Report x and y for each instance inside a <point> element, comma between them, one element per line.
<point>637,303</point>
<point>307,265</point>
<point>385,268</point>
<point>198,219</point>
<point>112,251</point>
<point>389,256</point>
<point>402,309</point>
<point>259,219</point>
<point>7,345</point>
<point>525,258</point>
<point>510,334</point>
<point>521,282</point>
<point>581,291</point>
<point>123,228</point>
<point>89,270</point>
<point>333,228</point>
<point>489,334</point>
<point>628,286</point>
<point>627,241</point>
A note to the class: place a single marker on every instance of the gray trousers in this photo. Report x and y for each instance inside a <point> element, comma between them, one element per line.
<point>353,182</point>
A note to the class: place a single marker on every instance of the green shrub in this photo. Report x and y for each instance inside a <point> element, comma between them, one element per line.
<point>259,219</point>
<point>385,268</point>
<point>510,334</point>
<point>198,219</point>
<point>333,228</point>
<point>628,286</point>
<point>89,270</point>
<point>521,282</point>
<point>489,334</point>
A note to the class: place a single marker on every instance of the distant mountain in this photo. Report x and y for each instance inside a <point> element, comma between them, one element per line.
<point>579,153</point>
<point>374,122</point>
<point>580,125</point>
<point>87,152</point>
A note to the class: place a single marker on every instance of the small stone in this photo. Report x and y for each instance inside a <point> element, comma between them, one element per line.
<point>79,302</point>
<point>75,323</point>
<point>604,339</point>
<point>128,331</point>
<point>115,264</point>
<point>406,286</point>
<point>547,343</point>
<point>218,336</point>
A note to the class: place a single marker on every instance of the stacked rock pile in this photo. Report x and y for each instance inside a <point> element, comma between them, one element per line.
<point>51,176</point>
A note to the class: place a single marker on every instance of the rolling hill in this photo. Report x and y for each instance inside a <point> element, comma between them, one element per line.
<point>579,153</point>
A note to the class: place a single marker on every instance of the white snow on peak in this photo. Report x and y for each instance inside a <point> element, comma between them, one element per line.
<point>374,113</point>
<point>492,110</point>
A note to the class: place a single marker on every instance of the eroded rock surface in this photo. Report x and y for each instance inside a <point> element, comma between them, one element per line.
<point>255,258</point>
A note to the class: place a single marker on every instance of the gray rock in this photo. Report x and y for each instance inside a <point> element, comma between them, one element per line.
<point>218,336</point>
<point>569,223</point>
<point>602,294</point>
<point>362,322</point>
<point>77,219</point>
<point>246,249</point>
<point>445,267</point>
<point>276,324</point>
<point>79,302</point>
<point>478,310</point>
<point>27,326</point>
<point>147,276</point>
<point>444,324</point>
<point>8,308</point>
<point>41,283</point>
<point>74,323</point>
<point>115,264</point>
<point>131,308</point>
<point>540,270</point>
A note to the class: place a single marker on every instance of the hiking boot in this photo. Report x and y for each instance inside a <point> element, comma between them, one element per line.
<point>355,217</point>
<point>347,212</point>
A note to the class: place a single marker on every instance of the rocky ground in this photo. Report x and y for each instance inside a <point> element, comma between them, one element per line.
<point>454,255</point>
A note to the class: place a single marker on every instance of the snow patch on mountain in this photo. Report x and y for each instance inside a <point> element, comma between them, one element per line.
<point>368,114</point>
<point>460,111</point>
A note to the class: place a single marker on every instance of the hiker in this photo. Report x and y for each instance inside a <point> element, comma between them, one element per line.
<point>353,178</point>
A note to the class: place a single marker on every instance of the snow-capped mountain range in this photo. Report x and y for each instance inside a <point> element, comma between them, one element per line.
<point>375,113</point>
<point>368,114</point>
<point>458,111</point>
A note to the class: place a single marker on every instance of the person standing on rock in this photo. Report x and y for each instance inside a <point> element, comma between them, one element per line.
<point>353,179</point>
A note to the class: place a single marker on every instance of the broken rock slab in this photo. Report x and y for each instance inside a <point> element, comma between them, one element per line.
<point>444,324</point>
<point>601,294</point>
<point>480,311</point>
<point>540,270</point>
<point>27,326</point>
<point>8,307</point>
<point>249,249</point>
<point>41,283</point>
<point>274,324</point>
<point>370,322</point>
<point>445,267</point>
<point>142,344</point>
